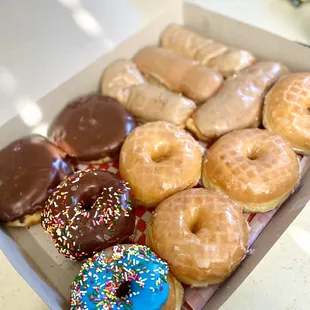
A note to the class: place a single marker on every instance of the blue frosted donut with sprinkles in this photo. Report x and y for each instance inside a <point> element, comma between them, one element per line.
<point>126,277</point>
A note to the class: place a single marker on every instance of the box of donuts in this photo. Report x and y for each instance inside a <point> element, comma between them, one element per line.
<point>163,172</point>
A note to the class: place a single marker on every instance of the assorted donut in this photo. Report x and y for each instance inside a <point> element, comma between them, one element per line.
<point>88,212</point>
<point>158,159</point>
<point>196,236</point>
<point>126,277</point>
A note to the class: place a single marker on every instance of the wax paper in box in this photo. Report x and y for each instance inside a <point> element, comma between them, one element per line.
<point>194,298</point>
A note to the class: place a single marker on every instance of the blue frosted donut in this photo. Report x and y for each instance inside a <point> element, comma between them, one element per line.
<point>122,277</point>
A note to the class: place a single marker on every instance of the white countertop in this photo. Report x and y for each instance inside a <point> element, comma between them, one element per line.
<point>282,279</point>
<point>45,43</point>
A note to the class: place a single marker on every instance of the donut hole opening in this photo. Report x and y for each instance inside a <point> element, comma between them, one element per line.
<point>308,109</point>
<point>88,198</point>
<point>252,156</point>
<point>160,158</point>
<point>252,153</point>
<point>123,290</point>
<point>88,202</point>
<point>161,153</point>
<point>195,228</point>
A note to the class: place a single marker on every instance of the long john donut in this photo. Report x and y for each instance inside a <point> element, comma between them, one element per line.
<point>147,102</point>
<point>238,104</point>
<point>226,60</point>
<point>178,73</point>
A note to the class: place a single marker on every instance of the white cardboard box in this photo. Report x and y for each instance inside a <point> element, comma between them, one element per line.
<point>30,250</point>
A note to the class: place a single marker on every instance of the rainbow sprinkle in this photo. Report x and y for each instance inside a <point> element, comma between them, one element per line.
<point>65,218</point>
<point>100,278</point>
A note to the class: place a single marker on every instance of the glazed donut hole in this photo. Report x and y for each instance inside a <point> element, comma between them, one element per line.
<point>252,153</point>
<point>195,222</point>
<point>161,152</point>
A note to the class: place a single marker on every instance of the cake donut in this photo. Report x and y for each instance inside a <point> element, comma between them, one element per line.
<point>255,168</point>
<point>224,59</point>
<point>178,73</point>
<point>287,110</point>
<point>92,128</point>
<point>201,234</point>
<point>158,159</point>
<point>126,277</point>
<point>88,212</point>
<point>30,168</point>
<point>147,102</point>
<point>238,104</point>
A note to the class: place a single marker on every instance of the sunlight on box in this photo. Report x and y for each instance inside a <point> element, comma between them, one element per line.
<point>87,22</point>
<point>72,4</point>
<point>29,111</point>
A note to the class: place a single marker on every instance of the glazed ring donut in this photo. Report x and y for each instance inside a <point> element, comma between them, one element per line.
<point>126,277</point>
<point>287,110</point>
<point>255,168</point>
<point>158,159</point>
<point>202,235</point>
<point>88,212</point>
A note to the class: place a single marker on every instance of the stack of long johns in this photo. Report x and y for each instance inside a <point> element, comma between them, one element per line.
<point>169,82</point>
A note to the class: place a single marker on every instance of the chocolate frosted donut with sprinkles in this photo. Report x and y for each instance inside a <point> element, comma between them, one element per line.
<point>126,277</point>
<point>89,211</point>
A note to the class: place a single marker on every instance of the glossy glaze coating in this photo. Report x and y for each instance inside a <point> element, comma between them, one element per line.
<point>91,128</point>
<point>119,77</point>
<point>202,235</point>
<point>158,159</point>
<point>31,168</point>
<point>287,110</point>
<point>127,277</point>
<point>178,73</point>
<point>226,60</point>
<point>88,212</point>
<point>145,101</point>
<point>239,102</point>
<point>254,167</point>
<point>232,61</point>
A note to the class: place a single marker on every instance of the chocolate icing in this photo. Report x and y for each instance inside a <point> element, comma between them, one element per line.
<point>91,128</point>
<point>88,212</point>
<point>29,169</point>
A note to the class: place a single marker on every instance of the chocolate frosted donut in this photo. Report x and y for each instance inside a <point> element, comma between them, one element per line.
<point>92,128</point>
<point>29,169</point>
<point>88,212</point>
